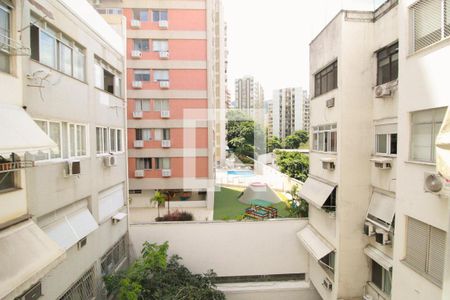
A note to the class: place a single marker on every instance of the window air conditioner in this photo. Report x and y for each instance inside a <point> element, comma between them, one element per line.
<point>136,54</point>
<point>165,143</point>
<point>135,23</point>
<point>137,84</point>
<point>138,114</point>
<point>164,54</point>
<point>382,163</point>
<point>109,161</point>
<point>166,172</point>
<point>383,91</point>
<point>165,114</point>
<point>81,243</point>
<point>382,238</point>
<point>164,84</point>
<point>73,167</point>
<point>369,229</point>
<point>330,103</point>
<point>163,24</point>
<point>138,144</point>
<point>139,173</point>
<point>328,165</point>
<point>327,284</point>
<point>33,293</point>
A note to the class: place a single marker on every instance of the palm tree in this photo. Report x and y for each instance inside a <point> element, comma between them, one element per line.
<point>159,199</point>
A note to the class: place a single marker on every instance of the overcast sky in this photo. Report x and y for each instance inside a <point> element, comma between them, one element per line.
<point>270,39</point>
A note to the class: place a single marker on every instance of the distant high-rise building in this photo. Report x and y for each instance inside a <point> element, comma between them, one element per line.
<point>290,111</point>
<point>249,94</point>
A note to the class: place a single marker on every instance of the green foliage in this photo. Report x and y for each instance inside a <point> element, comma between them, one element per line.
<point>297,208</point>
<point>155,276</point>
<point>158,198</point>
<point>293,164</point>
<point>274,143</point>
<point>295,140</point>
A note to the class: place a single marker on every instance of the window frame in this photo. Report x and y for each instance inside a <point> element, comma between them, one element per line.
<point>3,52</point>
<point>326,131</point>
<point>140,107</point>
<point>143,73</point>
<point>105,143</point>
<point>138,41</point>
<point>325,73</point>
<point>159,42</point>
<point>144,160</point>
<point>100,67</point>
<point>388,144</point>
<point>159,11</point>
<point>69,144</point>
<point>385,275</point>
<point>47,132</point>
<point>388,52</point>
<point>118,147</point>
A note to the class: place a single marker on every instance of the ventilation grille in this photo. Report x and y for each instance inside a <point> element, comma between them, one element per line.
<point>82,289</point>
<point>431,21</point>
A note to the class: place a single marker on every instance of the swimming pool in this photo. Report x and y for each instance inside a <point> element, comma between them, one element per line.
<point>241,172</point>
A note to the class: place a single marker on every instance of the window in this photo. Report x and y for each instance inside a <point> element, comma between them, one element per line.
<point>161,75</point>
<point>5,32</point>
<point>115,139</point>
<point>141,45</point>
<point>114,257</point>
<point>161,105</point>
<point>325,138</point>
<point>428,24</point>
<point>381,277</point>
<point>328,261</point>
<point>142,105</point>
<point>160,15</point>
<point>326,80</point>
<point>160,45</point>
<point>141,75</point>
<point>54,131</point>
<point>143,163</point>
<point>425,128</point>
<point>9,180</point>
<point>102,140</point>
<point>143,134</point>
<point>82,289</point>
<point>425,250</point>
<point>140,14</point>
<point>77,140</point>
<point>386,139</point>
<point>387,62</point>
<point>162,134</point>
<point>162,163</point>
<point>107,78</point>
<point>54,49</point>
<point>109,11</point>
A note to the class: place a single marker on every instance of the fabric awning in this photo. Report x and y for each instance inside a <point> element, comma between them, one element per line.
<point>316,192</point>
<point>317,246</point>
<point>443,148</point>
<point>379,257</point>
<point>110,201</point>
<point>381,210</point>
<point>19,133</point>
<point>72,228</point>
<point>27,255</point>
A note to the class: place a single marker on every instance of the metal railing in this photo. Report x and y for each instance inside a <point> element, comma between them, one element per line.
<point>13,47</point>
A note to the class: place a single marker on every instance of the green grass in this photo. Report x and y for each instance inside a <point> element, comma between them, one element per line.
<point>228,207</point>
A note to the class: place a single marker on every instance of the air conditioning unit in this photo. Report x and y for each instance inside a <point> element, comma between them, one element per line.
<point>138,114</point>
<point>73,167</point>
<point>382,238</point>
<point>330,103</point>
<point>109,161</point>
<point>165,143</point>
<point>327,284</point>
<point>383,91</point>
<point>433,183</point>
<point>137,84</point>
<point>138,144</point>
<point>33,293</point>
<point>382,163</point>
<point>81,243</point>
<point>164,54</point>
<point>163,24</point>
<point>164,84</point>
<point>165,114</point>
<point>369,229</point>
<point>139,173</point>
<point>328,165</point>
<point>166,172</point>
<point>136,54</point>
<point>135,24</point>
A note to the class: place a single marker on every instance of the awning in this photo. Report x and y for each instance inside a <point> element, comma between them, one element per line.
<point>443,148</point>
<point>316,192</point>
<point>27,254</point>
<point>317,246</point>
<point>379,257</point>
<point>381,210</point>
<point>110,201</point>
<point>72,228</point>
<point>19,133</point>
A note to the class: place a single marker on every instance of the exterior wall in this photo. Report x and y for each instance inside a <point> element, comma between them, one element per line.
<point>249,94</point>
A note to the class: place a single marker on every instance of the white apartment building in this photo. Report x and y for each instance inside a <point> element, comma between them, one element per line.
<point>290,111</point>
<point>376,231</point>
<point>249,94</point>
<point>66,70</point>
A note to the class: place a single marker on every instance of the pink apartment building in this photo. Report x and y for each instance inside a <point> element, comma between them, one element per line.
<point>174,83</point>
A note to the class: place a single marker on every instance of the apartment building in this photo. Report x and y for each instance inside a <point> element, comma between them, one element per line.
<point>66,183</point>
<point>378,209</point>
<point>290,111</point>
<point>249,95</point>
<point>175,69</point>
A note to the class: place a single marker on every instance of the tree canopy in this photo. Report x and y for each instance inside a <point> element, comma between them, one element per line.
<point>293,164</point>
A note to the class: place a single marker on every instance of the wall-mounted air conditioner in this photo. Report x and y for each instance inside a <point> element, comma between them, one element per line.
<point>138,144</point>
<point>382,237</point>
<point>165,143</point>
<point>382,163</point>
<point>164,54</point>
<point>165,114</point>
<point>109,161</point>
<point>166,172</point>
<point>327,284</point>
<point>136,54</point>
<point>369,229</point>
<point>137,84</point>
<point>139,173</point>
<point>135,24</point>
<point>436,184</point>
<point>138,114</point>
<point>383,91</point>
<point>330,103</point>
<point>328,163</point>
<point>73,167</point>
<point>81,243</point>
<point>163,24</point>
<point>164,84</point>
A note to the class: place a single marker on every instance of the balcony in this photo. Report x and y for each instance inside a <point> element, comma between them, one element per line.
<point>166,172</point>
<point>165,114</point>
<point>138,114</point>
<point>137,84</point>
<point>165,143</point>
<point>164,84</point>
<point>139,173</point>
<point>164,54</point>
<point>138,144</point>
<point>136,54</point>
<point>136,24</point>
<point>163,24</point>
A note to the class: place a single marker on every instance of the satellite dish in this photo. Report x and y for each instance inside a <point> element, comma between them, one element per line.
<point>433,183</point>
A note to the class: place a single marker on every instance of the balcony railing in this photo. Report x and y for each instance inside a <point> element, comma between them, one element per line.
<point>13,47</point>
<point>16,165</point>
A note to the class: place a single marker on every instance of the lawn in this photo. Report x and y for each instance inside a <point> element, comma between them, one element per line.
<point>228,207</point>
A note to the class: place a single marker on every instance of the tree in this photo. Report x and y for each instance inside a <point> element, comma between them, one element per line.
<point>273,143</point>
<point>159,199</point>
<point>297,207</point>
<point>292,142</point>
<point>293,164</point>
<point>302,135</point>
<point>156,276</point>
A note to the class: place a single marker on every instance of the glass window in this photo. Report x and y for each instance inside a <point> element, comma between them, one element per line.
<point>166,134</point>
<point>77,140</point>
<point>143,163</point>
<point>161,75</point>
<point>102,140</point>
<point>65,59</point>
<point>107,79</point>
<point>119,140</point>
<point>158,134</point>
<point>387,64</point>
<point>141,75</point>
<point>142,105</point>
<point>141,45</point>
<point>326,80</point>
<point>4,38</point>
<point>382,143</point>
<point>140,14</point>
<point>78,64</point>
<point>54,131</point>
<point>161,105</point>
<point>7,181</point>
<point>160,15</point>
<point>47,49</point>
<point>98,70</point>
<point>113,140</point>
<point>160,45</point>
<point>325,138</point>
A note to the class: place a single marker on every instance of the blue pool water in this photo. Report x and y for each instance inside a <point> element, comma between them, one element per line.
<point>241,172</point>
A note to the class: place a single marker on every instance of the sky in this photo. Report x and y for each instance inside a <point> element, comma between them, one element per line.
<point>270,39</point>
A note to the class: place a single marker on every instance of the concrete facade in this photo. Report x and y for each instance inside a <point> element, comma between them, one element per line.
<point>249,95</point>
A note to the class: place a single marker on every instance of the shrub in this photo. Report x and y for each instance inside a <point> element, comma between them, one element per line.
<point>176,216</point>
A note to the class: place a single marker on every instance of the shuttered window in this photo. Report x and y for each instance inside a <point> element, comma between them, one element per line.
<point>431,22</point>
<point>425,250</point>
